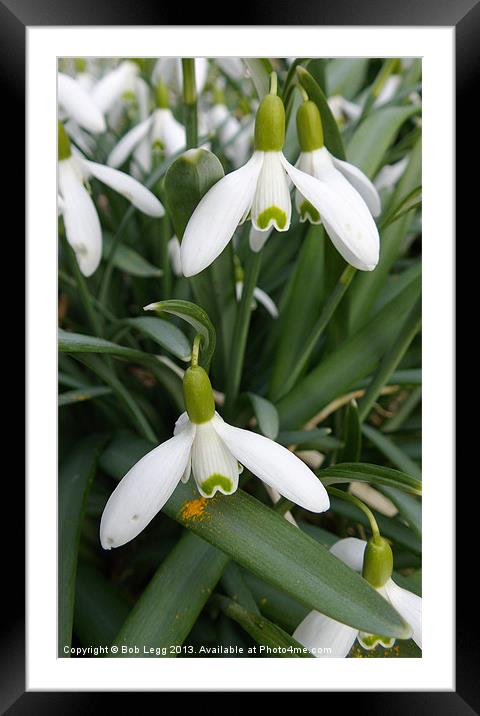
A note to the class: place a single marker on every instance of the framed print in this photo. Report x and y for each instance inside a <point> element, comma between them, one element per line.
<point>240,251</point>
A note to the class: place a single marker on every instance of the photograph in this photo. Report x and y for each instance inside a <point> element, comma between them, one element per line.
<point>239,286</point>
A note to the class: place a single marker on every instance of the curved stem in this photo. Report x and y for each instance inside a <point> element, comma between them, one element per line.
<point>196,349</point>
<point>361,506</point>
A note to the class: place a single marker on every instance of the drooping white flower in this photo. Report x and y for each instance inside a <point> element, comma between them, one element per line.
<point>159,130</point>
<point>327,638</point>
<point>212,450</point>
<point>82,225</point>
<point>118,82</point>
<point>235,137</point>
<point>389,175</point>
<point>342,109</point>
<point>260,189</point>
<point>77,104</point>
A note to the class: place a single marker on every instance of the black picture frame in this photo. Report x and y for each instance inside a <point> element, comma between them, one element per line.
<point>15,17</point>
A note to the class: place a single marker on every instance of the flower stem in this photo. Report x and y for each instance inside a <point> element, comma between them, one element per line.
<point>196,349</point>
<point>327,312</point>
<point>240,332</point>
<point>86,297</point>
<point>190,101</point>
<point>361,506</point>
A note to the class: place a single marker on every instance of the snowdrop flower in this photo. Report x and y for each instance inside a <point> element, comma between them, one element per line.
<point>260,188</point>
<point>82,225</point>
<point>234,136</point>
<point>326,637</point>
<point>77,104</point>
<point>174,256</point>
<point>389,175</point>
<point>160,130</point>
<point>258,294</point>
<point>169,69</point>
<point>342,109</point>
<point>210,449</point>
<point>122,81</point>
<point>359,242</point>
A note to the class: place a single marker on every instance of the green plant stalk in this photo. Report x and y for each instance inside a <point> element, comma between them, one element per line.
<point>240,333</point>
<point>327,312</point>
<point>86,297</point>
<point>190,101</point>
<point>390,361</point>
<point>164,239</point>
<point>361,506</point>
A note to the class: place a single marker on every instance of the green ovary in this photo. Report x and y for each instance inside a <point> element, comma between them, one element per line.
<point>307,210</point>
<point>273,213</point>
<point>214,481</point>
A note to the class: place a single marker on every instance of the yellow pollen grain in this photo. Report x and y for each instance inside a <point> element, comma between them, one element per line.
<point>194,510</point>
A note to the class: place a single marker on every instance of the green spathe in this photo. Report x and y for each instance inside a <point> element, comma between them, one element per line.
<point>216,480</point>
<point>309,127</point>
<point>270,125</point>
<point>64,151</point>
<point>377,561</point>
<point>198,395</point>
<point>273,213</point>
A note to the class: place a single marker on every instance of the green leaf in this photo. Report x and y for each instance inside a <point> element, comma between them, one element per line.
<point>100,610</point>
<point>127,260</point>
<point>413,200</point>
<point>352,435</point>
<point>79,343</point>
<point>331,133</point>
<point>165,613</point>
<point>272,639</point>
<point>373,474</point>
<point>235,586</point>
<point>74,482</point>
<point>352,361</point>
<point>165,334</point>
<point>276,605</point>
<point>266,414</point>
<point>187,180</point>
<point>300,437</point>
<point>196,317</point>
<point>409,507</point>
<point>346,76</point>
<point>80,395</point>
<point>392,451</point>
<point>375,134</point>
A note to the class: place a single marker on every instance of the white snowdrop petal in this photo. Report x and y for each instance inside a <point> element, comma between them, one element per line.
<point>350,551</point>
<point>130,188</point>
<point>79,105</point>
<point>258,239</point>
<point>82,225</point>
<point>271,203</point>
<point>275,465</point>
<point>145,489</point>
<point>325,637</point>
<point>361,183</point>
<point>266,301</point>
<point>409,606</point>
<point>168,131</point>
<point>128,142</point>
<point>213,465</point>
<point>111,87</point>
<point>217,215</point>
<point>174,256</point>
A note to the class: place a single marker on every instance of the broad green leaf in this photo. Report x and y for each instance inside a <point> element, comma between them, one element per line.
<point>259,69</point>
<point>74,482</point>
<point>275,604</point>
<point>373,474</point>
<point>413,200</point>
<point>331,133</point>
<point>273,641</point>
<point>346,76</point>
<point>165,613</point>
<point>352,361</point>
<point>165,334</point>
<point>79,343</point>
<point>128,260</point>
<point>234,584</point>
<point>373,137</point>
<point>187,180</point>
<point>196,317</point>
<point>392,452</point>
<point>300,437</point>
<point>100,610</point>
<point>266,414</point>
<point>352,435</point>
<point>302,308</point>
<point>408,506</point>
<point>79,395</point>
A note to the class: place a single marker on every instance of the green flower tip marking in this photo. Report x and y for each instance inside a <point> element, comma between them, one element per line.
<point>377,562</point>
<point>270,125</point>
<point>198,395</point>
<point>370,641</point>
<point>272,215</point>
<point>64,151</point>
<point>216,481</point>
<point>308,211</point>
<point>309,127</point>
<point>80,64</point>
<point>161,96</point>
